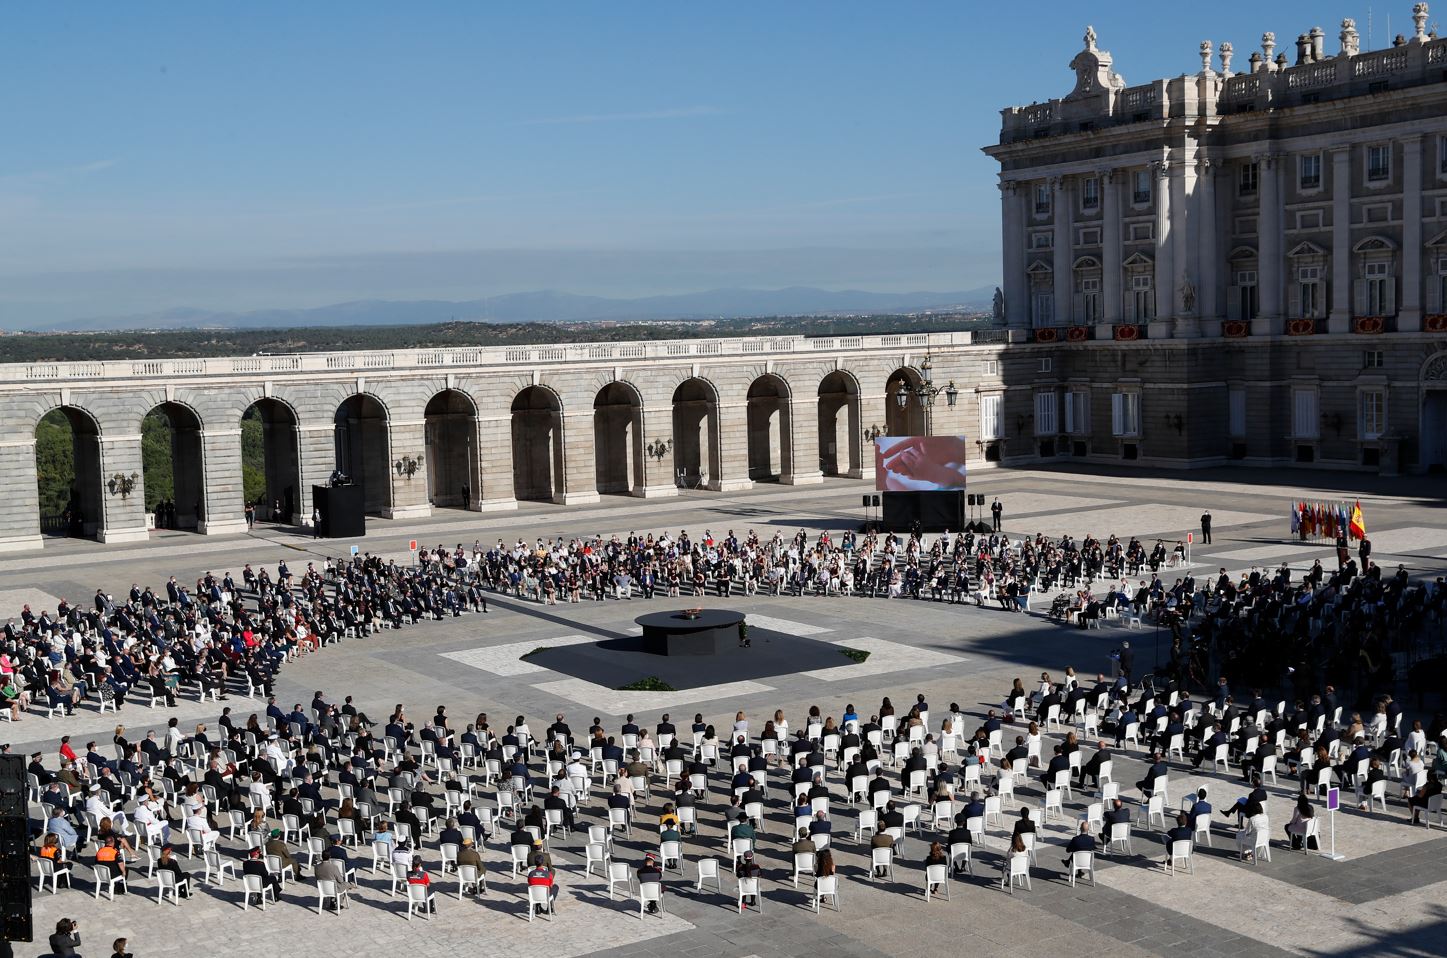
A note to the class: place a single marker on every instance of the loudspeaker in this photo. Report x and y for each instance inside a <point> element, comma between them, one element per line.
<point>12,786</point>
<point>875,501</point>
<point>865,503</point>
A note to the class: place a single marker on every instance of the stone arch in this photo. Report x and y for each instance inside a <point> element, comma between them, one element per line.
<point>841,433</point>
<point>272,448</point>
<point>537,444</point>
<point>908,418</point>
<point>454,479</point>
<point>69,483</point>
<point>363,449</point>
<point>696,438</point>
<point>618,438</point>
<point>173,465</point>
<point>771,434</point>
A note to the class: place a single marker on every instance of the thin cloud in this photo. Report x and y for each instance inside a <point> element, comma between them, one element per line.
<point>54,175</point>
<point>674,113</point>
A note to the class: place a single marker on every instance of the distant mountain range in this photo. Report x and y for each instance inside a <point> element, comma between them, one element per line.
<point>551,306</point>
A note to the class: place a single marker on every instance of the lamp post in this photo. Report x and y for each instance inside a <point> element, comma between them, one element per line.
<point>123,485</point>
<point>407,466</point>
<point>658,448</point>
<point>925,393</point>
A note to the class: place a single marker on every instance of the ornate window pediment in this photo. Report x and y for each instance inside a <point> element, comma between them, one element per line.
<point>1375,244</point>
<point>1087,262</point>
<point>1038,268</point>
<point>1306,249</point>
<point>1440,240</point>
<point>1241,253</point>
<point>1138,261</point>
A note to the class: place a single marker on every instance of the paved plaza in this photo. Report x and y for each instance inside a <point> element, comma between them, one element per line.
<point>1385,897</point>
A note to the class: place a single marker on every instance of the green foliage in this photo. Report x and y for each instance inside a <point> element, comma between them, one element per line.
<point>194,343</point>
<point>157,465</point>
<point>253,458</point>
<point>54,462</point>
<point>650,684</point>
<point>856,655</point>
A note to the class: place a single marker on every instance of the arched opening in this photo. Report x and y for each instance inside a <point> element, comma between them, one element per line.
<point>537,445</point>
<point>770,449</point>
<point>618,439</point>
<point>452,453</point>
<point>840,431</point>
<point>695,433</point>
<point>907,419</point>
<point>271,461</point>
<point>172,466</point>
<point>363,450</point>
<point>67,471</point>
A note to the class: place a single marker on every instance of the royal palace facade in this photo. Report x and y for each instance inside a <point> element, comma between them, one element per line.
<point>1234,265</point>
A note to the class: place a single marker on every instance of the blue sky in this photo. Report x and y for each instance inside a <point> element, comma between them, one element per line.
<point>284,154</point>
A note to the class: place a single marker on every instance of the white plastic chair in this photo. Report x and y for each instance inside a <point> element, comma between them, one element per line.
<point>1082,862</point>
<point>749,888</point>
<point>541,896</point>
<point>826,887</point>
<point>937,875</point>
<point>619,874</point>
<point>708,868</point>
<point>881,859</point>
<point>1180,855</point>
<point>52,871</point>
<point>329,889</point>
<point>1016,871</point>
<point>468,876</point>
<point>253,885</point>
<point>650,891</point>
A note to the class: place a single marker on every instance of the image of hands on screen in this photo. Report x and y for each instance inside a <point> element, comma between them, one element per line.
<point>919,463</point>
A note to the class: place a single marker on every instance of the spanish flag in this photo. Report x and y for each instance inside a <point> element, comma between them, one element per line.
<point>1358,524</point>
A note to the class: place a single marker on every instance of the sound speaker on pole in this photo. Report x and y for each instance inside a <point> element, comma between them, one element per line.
<point>875,503</point>
<point>15,922</point>
<point>865,503</point>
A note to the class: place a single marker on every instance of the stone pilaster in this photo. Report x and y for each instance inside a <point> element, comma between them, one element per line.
<point>20,506</point>
<point>1340,319</point>
<point>1269,254</point>
<point>580,468</point>
<point>803,458</point>
<point>659,477</point>
<point>222,493</point>
<point>1063,267</point>
<point>1409,314</point>
<point>407,439</point>
<point>733,459</point>
<point>495,460</point>
<point>124,516</point>
<point>1110,252</point>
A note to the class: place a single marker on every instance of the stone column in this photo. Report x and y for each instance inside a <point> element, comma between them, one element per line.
<point>659,478</point>
<point>1012,229</point>
<point>495,455</point>
<point>1409,311</point>
<point>580,467</point>
<point>407,437</point>
<point>1064,269</point>
<point>733,452</point>
<point>222,503</point>
<point>20,506</point>
<point>1165,274</point>
<point>1268,255</point>
<point>1340,319</point>
<point>318,451</point>
<point>802,423</point>
<point>124,517</point>
<point>1185,205</point>
<point>1208,255</point>
<point>1110,255</point>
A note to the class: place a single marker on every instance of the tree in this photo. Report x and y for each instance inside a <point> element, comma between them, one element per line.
<point>54,462</point>
<point>253,457</point>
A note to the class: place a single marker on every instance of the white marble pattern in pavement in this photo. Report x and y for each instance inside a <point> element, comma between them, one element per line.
<point>506,659</point>
<point>1260,553</point>
<point>13,600</point>
<point>1405,540</point>
<point>884,657</point>
<point>1167,521</point>
<point>616,702</point>
<point>784,625</point>
<point>1029,503</point>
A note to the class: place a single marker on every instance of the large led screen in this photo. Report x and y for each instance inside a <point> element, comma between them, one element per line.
<point>919,463</point>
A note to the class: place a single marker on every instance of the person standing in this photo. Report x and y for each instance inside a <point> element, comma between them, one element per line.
<point>250,515</point>
<point>316,522</point>
<point>466,497</point>
<point>1206,527</point>
<point>997,510</point>
<point>1343,551</point>
<point>1364,552</point>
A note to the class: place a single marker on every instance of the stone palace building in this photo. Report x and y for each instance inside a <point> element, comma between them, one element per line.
<point>1234,265</point>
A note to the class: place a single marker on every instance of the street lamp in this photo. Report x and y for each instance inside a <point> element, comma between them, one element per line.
<point>407,466</point>
<point>659,448</point>
<point>122,485</point>
<point>926,392</point>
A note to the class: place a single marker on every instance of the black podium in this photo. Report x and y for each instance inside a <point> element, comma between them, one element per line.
<point>942,511</point>
<point>341,510</point>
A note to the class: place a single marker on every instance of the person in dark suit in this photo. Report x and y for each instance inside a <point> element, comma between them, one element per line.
<point>1117,814</point>
<point>1181,833</point>
<point>256,865</point>
<point>1206,527</point>
<point>1208,746</point>
<point>1091,769</point>
<point>1058,763</point>
<point>997,511</point>
<point>1024,823</point>
<point>1081,841</point>
<point>1156,772</point>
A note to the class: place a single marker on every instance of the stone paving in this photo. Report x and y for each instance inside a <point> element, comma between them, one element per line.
<point>1383,898</point>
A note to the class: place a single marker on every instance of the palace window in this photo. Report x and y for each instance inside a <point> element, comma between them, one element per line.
<point>1310,296</point>
<point>1248,180</point>
<point>1304,423</point>
<point>1045,403</point>
<point>1379,163</point>
<point>1042,199</point>
<point>1090,194</point>
<point>1236,411</point>
<point>991,416</point>
<point>1141,187</point>
<point>1308,171</point>
<point>1372,413</point>
<point>1125,414</point>
<point>1077,412</point>
<point>1142,297</point>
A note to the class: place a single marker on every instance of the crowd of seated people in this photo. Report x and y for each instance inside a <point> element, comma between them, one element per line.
<point>330,791</point>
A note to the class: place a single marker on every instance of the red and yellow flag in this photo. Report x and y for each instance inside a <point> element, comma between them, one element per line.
<point>1358,524</point>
